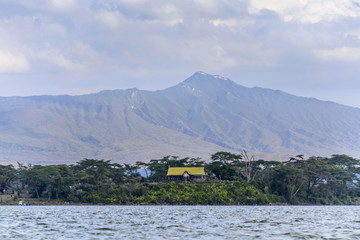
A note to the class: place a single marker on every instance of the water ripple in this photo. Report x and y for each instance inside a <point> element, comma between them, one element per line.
<point>179,222</point>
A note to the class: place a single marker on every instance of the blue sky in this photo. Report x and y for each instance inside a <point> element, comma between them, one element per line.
<point>308,48</point>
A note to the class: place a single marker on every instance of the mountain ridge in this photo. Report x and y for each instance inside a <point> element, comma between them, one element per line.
<point>195,118</point>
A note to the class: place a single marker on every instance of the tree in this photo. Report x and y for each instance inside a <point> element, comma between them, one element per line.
<point>8,175</point>
<point>132,172</point>
<point>195,162</point>
<point>225,165</point>
<point>158,168</point>
<point>117,173</point>
<point>93,171</point>
<point>316,171</point>
<point>250,168</point>
<point>36,179</point>
<point>288,181</point>
<point>61,178</point>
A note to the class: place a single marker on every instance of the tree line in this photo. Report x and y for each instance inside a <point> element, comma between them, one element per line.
<point>231,179</point>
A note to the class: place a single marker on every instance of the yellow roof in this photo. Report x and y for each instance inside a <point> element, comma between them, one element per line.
<point>178,171</point>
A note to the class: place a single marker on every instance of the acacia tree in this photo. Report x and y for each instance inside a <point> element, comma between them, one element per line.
<point>8,175</point>
<point>36,179</point>
<point>94,172</point>
<point>333,176</point>
<point>195,162</point>
<point>61,178</point>
<point>158,167</point>
<point>224,165</point>
<point>132,173</point>
<point>316,171</point>
<point>117,174</point>
<point>288,181</point>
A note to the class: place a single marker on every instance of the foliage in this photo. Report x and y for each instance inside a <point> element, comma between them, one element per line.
<point>231,179</point>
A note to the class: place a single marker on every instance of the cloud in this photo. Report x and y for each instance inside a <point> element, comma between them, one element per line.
<point>12,62</point>
<point>110,19</point>
<point>65,63</point>
<point>346,54</point>
<point>132,2</point>
<point>140,11</point>
<point>224,22</point>
<point>77,57</point>
<point>63,5</point>
<point>207,4</point>
<point>308,11</point>
<point>169,15</point>
<point>49,5</point>
<point>126,43</point>
<point>224,60</point>
<point>353,34</point>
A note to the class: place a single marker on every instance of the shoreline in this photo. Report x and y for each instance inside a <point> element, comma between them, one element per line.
<point>148,204</point>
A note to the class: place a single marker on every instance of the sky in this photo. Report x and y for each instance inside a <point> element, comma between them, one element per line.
<point>308,48</point>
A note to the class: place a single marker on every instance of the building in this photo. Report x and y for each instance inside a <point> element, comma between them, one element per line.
<point>186,173</point>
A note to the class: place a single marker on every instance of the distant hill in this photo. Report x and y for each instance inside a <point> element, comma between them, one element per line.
<point>195,118</point>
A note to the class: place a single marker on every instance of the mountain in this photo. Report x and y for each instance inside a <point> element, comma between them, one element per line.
<point>195,118</point>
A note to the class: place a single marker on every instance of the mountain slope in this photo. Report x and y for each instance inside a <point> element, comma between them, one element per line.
<point>197,117</point>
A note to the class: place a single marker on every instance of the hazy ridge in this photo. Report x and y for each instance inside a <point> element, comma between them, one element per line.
<point>197,117</point>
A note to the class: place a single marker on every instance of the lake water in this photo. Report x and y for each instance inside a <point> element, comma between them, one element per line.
<point>179,222</point>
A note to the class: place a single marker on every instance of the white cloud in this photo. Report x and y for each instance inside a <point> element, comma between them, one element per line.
<point>223,59</point>
<point>49,5</point>
<point>12,62</point>
<point>207,4</point>
<point>347,54</point>
<point>65,63</point>
<point>57,57</point>
<point>110,19</point>
<point>224,22</point>
<point>354,33</point>
<point>136,40</point>
<point>168,15</point>
<point>308,11</point>
<point>132,1</point>
<point>63,5</point>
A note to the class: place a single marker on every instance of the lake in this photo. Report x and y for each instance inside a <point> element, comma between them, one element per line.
<point>179,222</point>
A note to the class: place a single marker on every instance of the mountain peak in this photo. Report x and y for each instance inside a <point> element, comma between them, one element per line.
<point>201,73</point>
<point>204,114</point>
<point>203,76</point>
